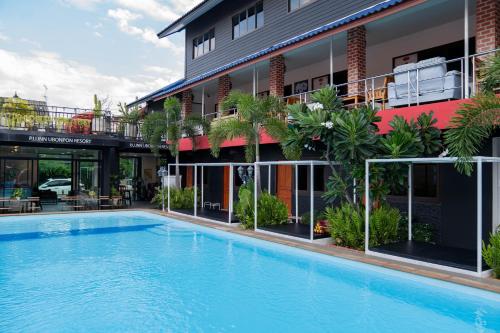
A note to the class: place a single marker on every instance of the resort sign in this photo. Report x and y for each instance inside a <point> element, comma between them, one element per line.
<point>144,145</point>
<point>59,140</point>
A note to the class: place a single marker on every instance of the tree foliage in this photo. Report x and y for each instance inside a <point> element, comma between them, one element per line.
<point>253,115</point>
<point>347,138</point>
<point>476,120</point>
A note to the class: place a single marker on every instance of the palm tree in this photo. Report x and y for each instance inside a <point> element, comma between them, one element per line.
<point>476,121</point>
<point>253,115</point>
<point>169,125</point>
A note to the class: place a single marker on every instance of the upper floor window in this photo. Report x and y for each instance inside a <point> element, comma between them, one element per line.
<point>296,4</point>
<point>204,44</point>
<point>248,20</point>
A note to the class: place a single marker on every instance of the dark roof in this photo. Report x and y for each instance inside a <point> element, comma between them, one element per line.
<point>329,26</point>
<point>190,16</point>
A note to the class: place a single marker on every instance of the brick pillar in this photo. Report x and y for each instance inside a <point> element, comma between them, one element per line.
<point>187,103</point>
<point>356,59</point>
<point>487,25</point>
<point>223,89</point>
<point>277,76</point>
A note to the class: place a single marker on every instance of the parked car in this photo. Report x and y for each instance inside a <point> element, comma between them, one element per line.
<point>61,185</point>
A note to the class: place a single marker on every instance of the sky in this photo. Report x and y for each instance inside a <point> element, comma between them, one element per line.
<point>69,50</point>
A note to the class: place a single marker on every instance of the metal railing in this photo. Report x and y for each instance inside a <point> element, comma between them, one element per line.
<point>55,119</point>
<point>409,87</point>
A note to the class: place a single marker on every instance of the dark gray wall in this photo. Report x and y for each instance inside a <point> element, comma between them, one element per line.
<point>279,25</point>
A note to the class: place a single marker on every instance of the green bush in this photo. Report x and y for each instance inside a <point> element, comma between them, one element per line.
<point>244,208</point>
<point>491,253</point>
<point>271,210</point>
<point>384,222</point>
<point>421,232</point>
<point>347,225</point>
<point>306,217</point>
<point>179,198</point>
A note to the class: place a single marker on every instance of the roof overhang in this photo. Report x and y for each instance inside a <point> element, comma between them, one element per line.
<point>181,23</point>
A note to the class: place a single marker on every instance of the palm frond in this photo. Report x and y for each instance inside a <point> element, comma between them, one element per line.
<point>473,124</point>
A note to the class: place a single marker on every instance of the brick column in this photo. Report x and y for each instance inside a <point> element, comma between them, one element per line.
<point>277,76</point>
<point>487,25</point>
<point>186,103</point>
<point>356,59</point>
<point>223,89</point>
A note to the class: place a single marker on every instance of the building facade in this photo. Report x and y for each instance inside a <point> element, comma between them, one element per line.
<point>403,57</point>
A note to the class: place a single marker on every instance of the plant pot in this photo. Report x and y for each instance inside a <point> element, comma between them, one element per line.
<point>131,130</point>
<point>98,125</point>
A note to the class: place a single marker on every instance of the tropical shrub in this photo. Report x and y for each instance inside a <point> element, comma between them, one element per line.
<point>271,210</point>
<point>244,208</point>
<point>384,223</point>
<point>421,232</point>
<point>179,198</point>
<point>306,217</point>
<point>491,253</point>
<point>347,225</point>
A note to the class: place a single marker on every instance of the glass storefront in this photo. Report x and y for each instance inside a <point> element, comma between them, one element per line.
<point>53,171</point>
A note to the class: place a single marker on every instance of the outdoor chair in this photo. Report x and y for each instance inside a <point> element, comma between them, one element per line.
<point>105,202</point>
<point>117,201</point>
<point>34,204</point>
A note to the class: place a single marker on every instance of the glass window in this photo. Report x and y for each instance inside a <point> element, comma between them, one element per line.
<point>204,44</point>
<point>296,4</point>
<point>248,20</point>
<point>260,14</point>
<point>251,19</point>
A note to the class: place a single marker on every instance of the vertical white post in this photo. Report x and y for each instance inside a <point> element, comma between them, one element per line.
<point>367,204</point>
<point>466,47</point>
<point>202,189</point>
<point>256,180</point>
<point>269,178</point>
<point>331,61</point>
<point>202,106</point>
<point>354,192</point>
<point>195,190</point>
<point>408,89</point>
<point>254,83</point>
<point>474,81</point>
<point>231,189</point>
<point>296,193</point>
<point>168,188</point>
<point>410,200</point>
<point>311,187</point>
<point>479,251</point>
<point>418,88</point>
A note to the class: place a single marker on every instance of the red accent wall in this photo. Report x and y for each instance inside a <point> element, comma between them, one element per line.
<point>443,112</point>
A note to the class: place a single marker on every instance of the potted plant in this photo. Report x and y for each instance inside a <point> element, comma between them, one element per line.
<point>98,119</point>
<point>17,193</point>
<point>129,120</point>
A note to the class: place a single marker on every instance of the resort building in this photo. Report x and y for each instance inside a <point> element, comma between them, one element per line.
<point>51,152</point>
<point>403,57</point>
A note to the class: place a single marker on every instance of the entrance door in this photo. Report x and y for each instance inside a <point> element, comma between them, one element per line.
<point>284,185</point>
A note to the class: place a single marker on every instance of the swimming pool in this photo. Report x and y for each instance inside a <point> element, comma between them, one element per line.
<point>134,271</point>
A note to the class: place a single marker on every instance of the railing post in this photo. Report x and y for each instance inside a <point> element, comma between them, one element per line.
<point>462,85</point>
<point>474,75</point>
<point>410,201</point>
<point>418,88</point>
<point>408,90</point>
<point>373,93</point>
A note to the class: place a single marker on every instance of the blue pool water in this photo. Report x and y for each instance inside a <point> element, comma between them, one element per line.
<point>138,272</point>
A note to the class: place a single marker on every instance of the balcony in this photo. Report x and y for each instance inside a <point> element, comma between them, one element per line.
<point>62,120</point>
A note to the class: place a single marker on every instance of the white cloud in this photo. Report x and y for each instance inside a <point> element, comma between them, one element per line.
<point>71,83</point>
<point>97,34</point>
<point>3,37</point>
<point>81,4</point>
<point>124,17</point>
<point>151,8</point>
<point>31,42</point>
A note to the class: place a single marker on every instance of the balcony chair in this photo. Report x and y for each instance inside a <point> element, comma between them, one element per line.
<point>105,202</point>
<point>434,83</point>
